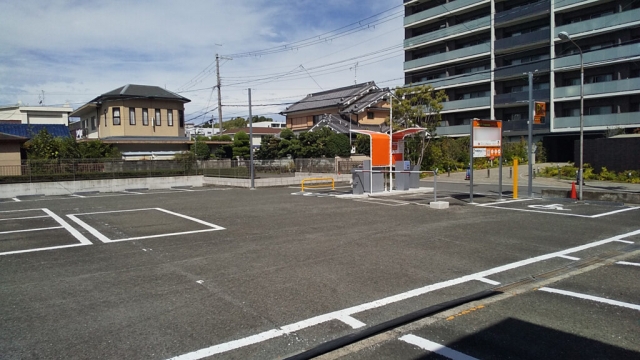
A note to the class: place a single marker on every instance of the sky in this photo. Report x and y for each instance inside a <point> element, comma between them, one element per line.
<point>72,51</point>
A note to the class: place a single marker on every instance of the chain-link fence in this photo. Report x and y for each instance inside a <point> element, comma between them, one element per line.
<point>92,169</point>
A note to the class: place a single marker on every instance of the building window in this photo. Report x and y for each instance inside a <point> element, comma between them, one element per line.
<point>170,117</point>
<point>181,118</point>
<point>157,119</point>
<point>93,123</point>
<point>145,117</point>
<point>116,115</point>
<point>600,110</point>
<point>132,116</point>
<point>369,115</point>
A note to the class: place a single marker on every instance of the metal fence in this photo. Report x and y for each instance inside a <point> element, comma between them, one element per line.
<point>93,169</point>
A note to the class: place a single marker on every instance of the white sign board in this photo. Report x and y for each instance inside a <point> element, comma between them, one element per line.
<point>487,136</point>
<point>479,152</point>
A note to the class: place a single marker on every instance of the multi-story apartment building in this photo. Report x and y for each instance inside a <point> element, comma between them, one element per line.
<point>480,51</point>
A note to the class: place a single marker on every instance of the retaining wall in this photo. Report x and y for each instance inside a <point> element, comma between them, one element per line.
<point>276,181</point>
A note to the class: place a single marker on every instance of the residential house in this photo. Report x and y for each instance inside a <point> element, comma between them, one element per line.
<point>13,135</point>
<point>362,106</point>
<point>20,114</point>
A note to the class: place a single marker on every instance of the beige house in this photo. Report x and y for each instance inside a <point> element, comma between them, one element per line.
<point>19,114</point>
<point>363,106</point>
<point>10,161</point>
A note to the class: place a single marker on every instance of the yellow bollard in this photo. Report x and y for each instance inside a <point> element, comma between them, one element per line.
<point>515,178</point>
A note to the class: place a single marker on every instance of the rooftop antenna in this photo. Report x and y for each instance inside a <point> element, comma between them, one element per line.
<point>41,98</point>
<point>355,78</point>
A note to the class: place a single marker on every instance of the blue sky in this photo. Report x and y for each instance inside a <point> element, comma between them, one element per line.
<point>77,50</point>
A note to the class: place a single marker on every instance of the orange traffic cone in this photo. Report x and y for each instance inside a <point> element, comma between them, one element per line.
<point>573,191</point>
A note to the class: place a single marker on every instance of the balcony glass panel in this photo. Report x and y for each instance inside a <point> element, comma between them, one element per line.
<point>598,88</point>
<point>456,80</point>
<point>453,130</point>
<point>519,70</point>
<point>535,37</point>
<point>449,55</point>
<point>600,23</point>
<point>442,33</point>
<point>465,104</point>
<point>522,125</point>
<point>566,3</point>
<point>603,55</point>
<point>519,97</point>
<point>631,118</point>
<point>538,8</point>
<point>440,10</point>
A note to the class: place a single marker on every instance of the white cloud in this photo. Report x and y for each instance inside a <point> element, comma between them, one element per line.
<point>76,50</point>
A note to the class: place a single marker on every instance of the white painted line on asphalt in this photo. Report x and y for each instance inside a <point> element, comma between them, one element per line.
<point>380,202</point>
<point>216,227</point>
<point>270,334</point>
<point>435,348</point>
<point>71,229</point>
<point>569,257</point>
<point>627,263</point>
<point>625,241</point>
<point>163,235</point>
<point>538,211</point>
<point>133,192</point>
<point>25,218</point>
<point>16,199</point>
<point>29,230</point>
<point>503,202</point>
<point>179,189</point>
<point>615,212</point>
<point>488,281</point>
<point>90,229</point>
<point>40,249</point>
<point>22,210</point>
<point>78,196</point>
<point>113,211</point>
<point>590,297</point>
<point>353,322</point>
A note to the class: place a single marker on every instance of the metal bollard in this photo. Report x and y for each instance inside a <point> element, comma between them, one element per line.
<point>488,172</point>
<point>435,185</point>
<point>510,172</point>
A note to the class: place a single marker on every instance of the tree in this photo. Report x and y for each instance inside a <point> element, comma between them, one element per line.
<point>96,149</point>
<point>338,145</point>
<point>363,144</point>
<point>42,146</point>
<point>241,145</point>
<point>200,150</point>
<point>268,148</point>
<point>235,123</point>
<point>261,119</point>
<point>418,106</point>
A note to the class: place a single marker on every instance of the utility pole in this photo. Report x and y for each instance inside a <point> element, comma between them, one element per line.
<point>219,95</point>
<point>530,142</point>
<point>251,143</point>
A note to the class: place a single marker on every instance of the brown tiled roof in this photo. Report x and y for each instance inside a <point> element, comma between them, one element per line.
<point>256,130</point>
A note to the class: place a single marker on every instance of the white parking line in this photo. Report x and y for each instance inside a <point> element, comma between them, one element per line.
<point>488,281</point>
<point>353,322</point>
<point>16,199</point>
<point>435,348</point>
<point>503,202</point>
<point>627,263</point>
<point>25,218</point>
<point>590,297</point>
<point>78,196</point>
<point>29,230</point>
<point>569,257</point>
<point>319,319</point>
<point>496,206</point>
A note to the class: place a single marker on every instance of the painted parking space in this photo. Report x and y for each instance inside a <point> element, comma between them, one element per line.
<point>561,207</point>
<point>39,229</point>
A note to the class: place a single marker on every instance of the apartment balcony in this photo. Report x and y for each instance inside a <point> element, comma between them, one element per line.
<point>440,10</point>
<point>630,119</point>
<point>512,71</point>
<point>466,104</point>
<point>601,23</point>
<point>518,98</point>
<point>568,3</point>
<point>531,39</point>
<point>603,88</point>
<point>533,10</point>
<point>613,54</point>
<point>455,130</point>
<point>444,33</point>
<point>449,56</point>
<point>457,80</point>
<point>512,128</point>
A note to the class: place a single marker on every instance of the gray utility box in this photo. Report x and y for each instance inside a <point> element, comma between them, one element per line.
<point>357,183</point>
<point>415,178</point>
<point>402,178</point>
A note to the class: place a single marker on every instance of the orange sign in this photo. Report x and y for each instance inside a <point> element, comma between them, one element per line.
<point>539,112</point>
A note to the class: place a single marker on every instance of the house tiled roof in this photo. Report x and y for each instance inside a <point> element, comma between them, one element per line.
<point>9,137</point>
<point>331,98</point>
<point>372,98</point>
<point>30,130</point>
<point>140,91</point>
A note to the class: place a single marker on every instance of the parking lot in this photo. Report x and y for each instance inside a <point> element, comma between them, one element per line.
<point>235,274</point>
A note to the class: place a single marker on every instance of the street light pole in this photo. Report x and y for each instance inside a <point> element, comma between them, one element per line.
<point>565,36</point>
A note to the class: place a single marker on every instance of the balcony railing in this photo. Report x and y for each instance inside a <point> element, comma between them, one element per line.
<point>535,9</point>
<point>612,87</point>
<point>467,103</point>
<point>600,23</point>
<point>449,31</point>
<point>447,8</point>
<point>519,70</point>
<point>523,126</point>
<point>453,130</point>
<point>599,56</point>
<point>459,54</point>
<point>524,40</point>
<point>456,80</point>
<point>520,97</point>
<point>606,120</point>
<point>566,3</point>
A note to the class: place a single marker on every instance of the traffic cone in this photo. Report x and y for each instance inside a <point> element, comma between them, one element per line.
<point>574,196</point>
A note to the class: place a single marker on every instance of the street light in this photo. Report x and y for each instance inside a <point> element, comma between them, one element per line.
<point>565,36</point>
